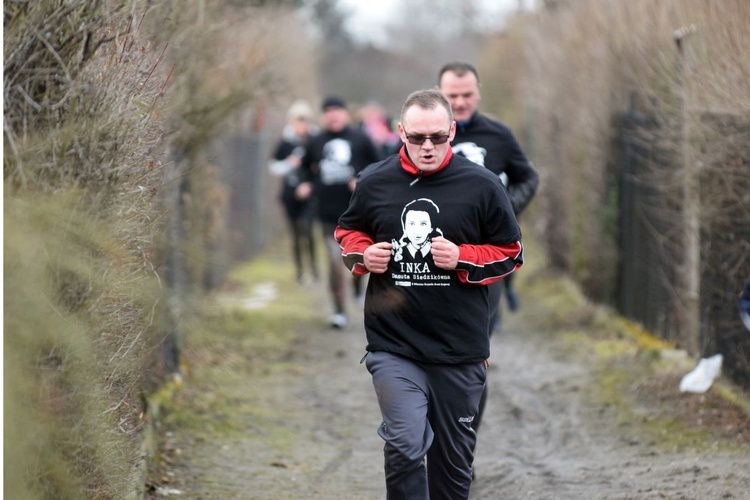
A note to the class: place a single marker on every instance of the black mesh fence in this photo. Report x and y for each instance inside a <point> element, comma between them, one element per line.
<point>217,203</point>
<point>652,229</point>
<point>648,230</point>
<point>725,241</point>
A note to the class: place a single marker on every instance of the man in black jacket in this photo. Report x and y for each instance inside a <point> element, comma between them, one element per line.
<point>491,144</point>
<point>333,159</point>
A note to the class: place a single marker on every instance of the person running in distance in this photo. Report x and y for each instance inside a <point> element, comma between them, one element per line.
<point>286,163</point>
<point>334,157</point>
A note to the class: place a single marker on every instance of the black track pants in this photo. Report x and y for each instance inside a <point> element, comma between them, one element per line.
<point>427,411</point>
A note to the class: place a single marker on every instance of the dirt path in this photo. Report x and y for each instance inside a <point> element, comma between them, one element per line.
<point>544,439</point>
<point>304,427</point>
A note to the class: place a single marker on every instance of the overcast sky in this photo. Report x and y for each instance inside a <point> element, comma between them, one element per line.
<point>369,17</point>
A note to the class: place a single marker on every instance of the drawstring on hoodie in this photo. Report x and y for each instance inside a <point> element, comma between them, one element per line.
<point>409,166</point>
<point>417,179</point>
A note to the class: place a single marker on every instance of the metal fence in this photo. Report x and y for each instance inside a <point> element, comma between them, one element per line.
<point>648,261</point>
<point>725,237</point>
<point>653,247</point>
<point>217,205</point>
<point>243,164</point>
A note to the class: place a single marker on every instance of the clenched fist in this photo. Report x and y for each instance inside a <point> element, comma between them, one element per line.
<point>377,256</point>
<point>303,191</point>
<point>444,253</point>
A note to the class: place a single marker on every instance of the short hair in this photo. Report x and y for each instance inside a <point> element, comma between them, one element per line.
<point>460,68</point>
<point>300,110</point>
<point>427,99</point>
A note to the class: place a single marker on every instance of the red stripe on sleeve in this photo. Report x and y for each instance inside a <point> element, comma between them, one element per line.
<point>353,245</point>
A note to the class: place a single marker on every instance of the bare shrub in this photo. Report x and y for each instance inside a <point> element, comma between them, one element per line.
<point>671,63</point>
<point>96,95</point>
<point>74,353</point>
<point>232,64</point>
<point>82,170</point>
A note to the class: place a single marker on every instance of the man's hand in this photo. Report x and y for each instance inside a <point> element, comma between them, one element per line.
<point>303,191</point>
<point>377,256</point>
<point>444,253</point>
<point>294,160</point>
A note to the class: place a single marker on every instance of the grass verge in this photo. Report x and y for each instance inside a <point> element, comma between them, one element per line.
<point>239,350</point>
<point>637,373</point>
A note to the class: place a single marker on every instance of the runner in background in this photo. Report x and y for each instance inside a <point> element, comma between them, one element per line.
<point>377,125</point>
<point>299,213</point>
<point>333,159</point>
<point>491,144</point>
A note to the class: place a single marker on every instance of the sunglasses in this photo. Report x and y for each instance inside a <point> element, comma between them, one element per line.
<point>418,139</point>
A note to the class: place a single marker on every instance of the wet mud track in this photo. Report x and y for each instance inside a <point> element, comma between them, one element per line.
<point>544,435</point>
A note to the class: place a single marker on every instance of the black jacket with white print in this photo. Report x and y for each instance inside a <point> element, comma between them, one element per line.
<point>492,145</point>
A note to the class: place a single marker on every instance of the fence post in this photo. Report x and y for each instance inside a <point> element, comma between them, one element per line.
<point>175,263</point>
<point>690,274</point>
<point>260,138</point>
<point>529,122</point>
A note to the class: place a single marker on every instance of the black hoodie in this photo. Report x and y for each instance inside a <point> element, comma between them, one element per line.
<point>493,145</point>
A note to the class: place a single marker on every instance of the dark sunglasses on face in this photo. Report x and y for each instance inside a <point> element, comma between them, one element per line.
<point>418,139</point>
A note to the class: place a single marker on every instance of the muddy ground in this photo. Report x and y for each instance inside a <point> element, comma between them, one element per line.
<point>578,408</point>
